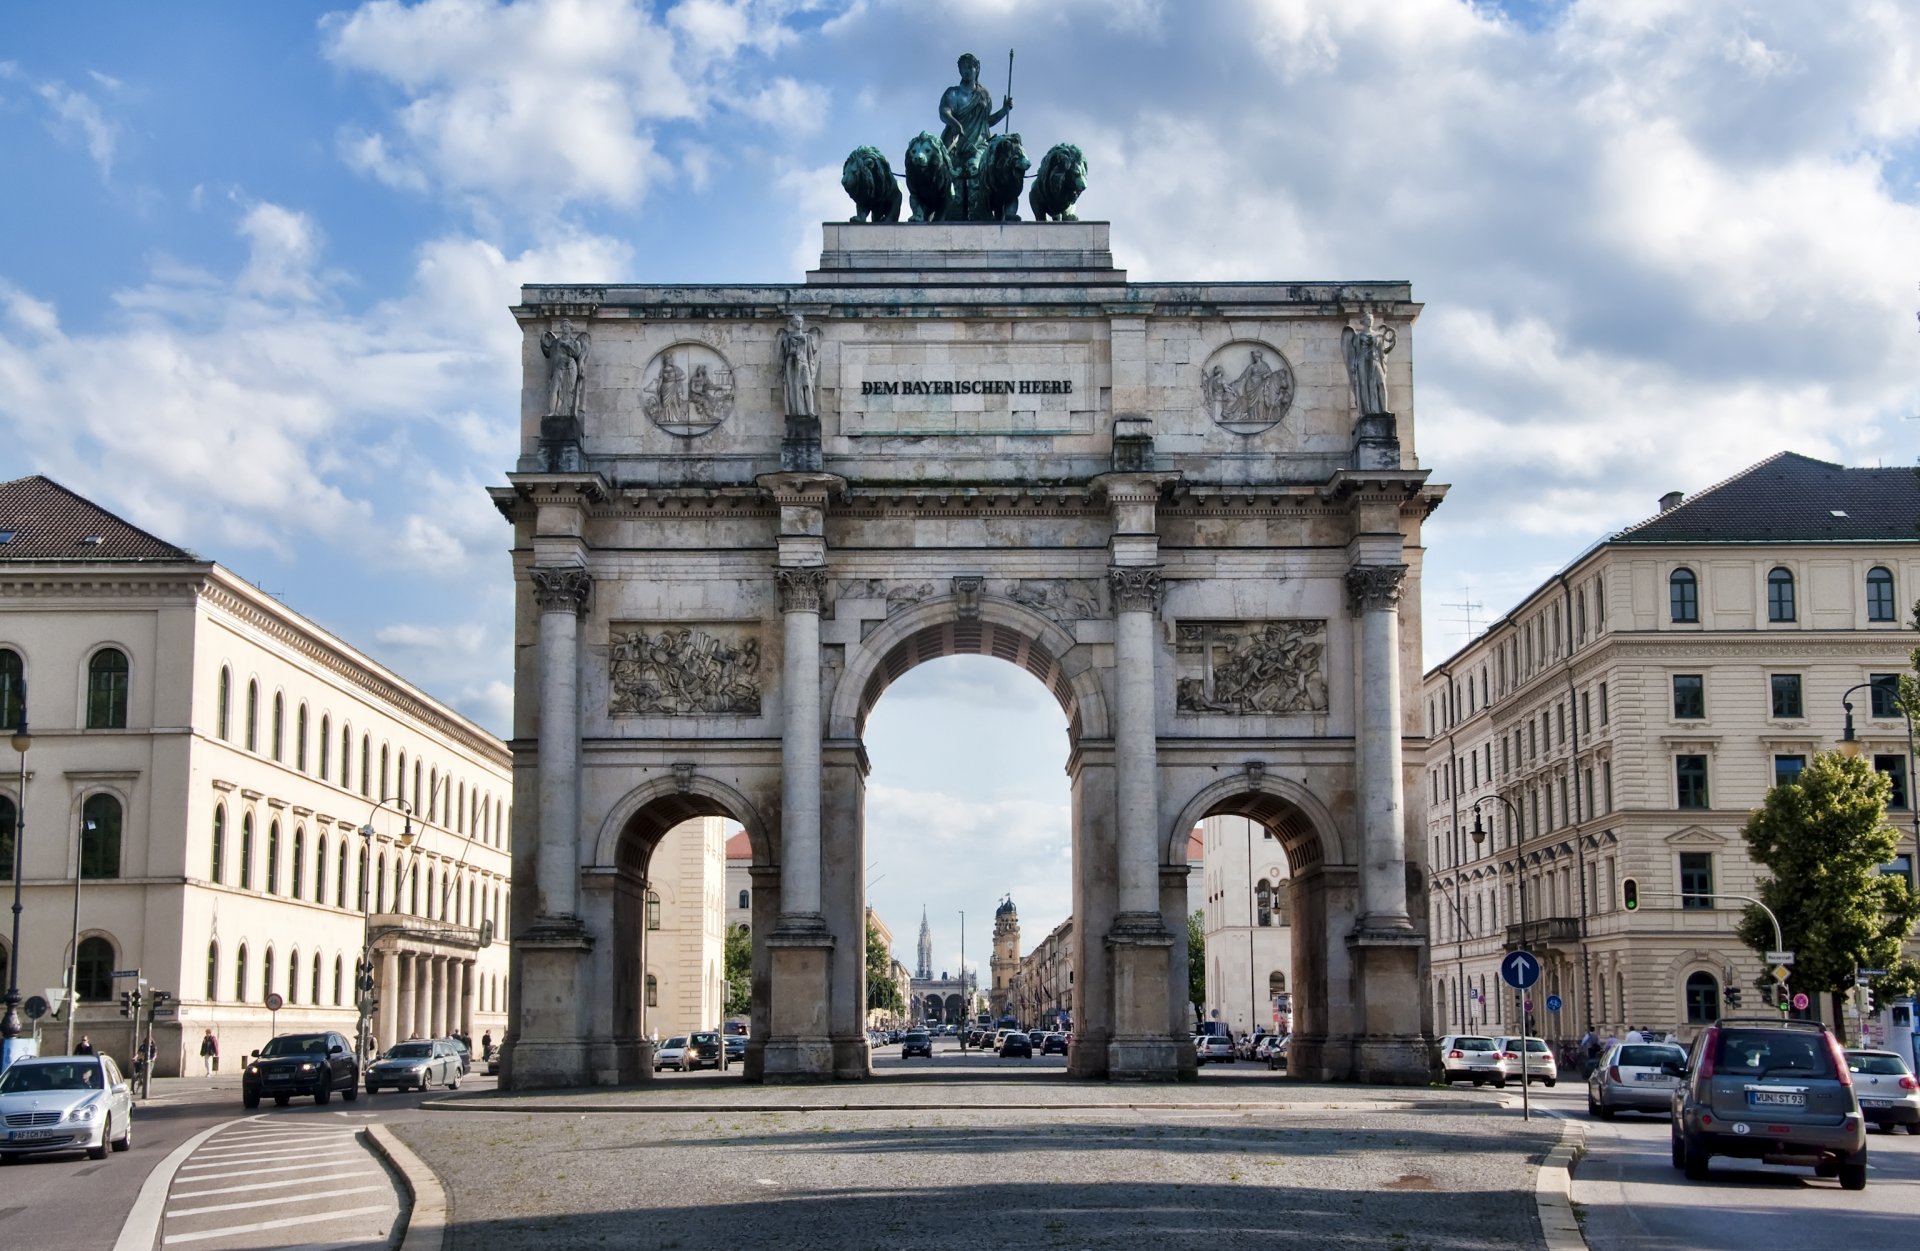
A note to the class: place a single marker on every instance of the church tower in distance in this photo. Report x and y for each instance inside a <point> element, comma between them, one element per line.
<point>925,971</point>
<point>1006,956</point>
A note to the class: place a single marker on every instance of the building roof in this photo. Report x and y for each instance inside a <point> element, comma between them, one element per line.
<point>45,521</point>
<point>738,848</point>
<point>1197,845</point>
<point>1790,498</point>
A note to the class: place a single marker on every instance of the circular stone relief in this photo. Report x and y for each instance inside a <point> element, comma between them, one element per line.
<point>1247,386</point>
<point>687,389</point>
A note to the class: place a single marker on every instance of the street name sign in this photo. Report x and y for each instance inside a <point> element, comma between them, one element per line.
<point>1780,957</point>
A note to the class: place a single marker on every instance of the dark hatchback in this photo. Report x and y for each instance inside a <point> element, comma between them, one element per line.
<point>1017,1044</point>
<point>706,1050</point>
<point>309,1065</point>
<point>916,1042</point>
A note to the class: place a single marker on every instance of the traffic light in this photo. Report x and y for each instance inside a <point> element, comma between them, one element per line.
<point>366,980</point>
<point>1733,996</point>
<point>126,1003</point>
<point>1630,894</point>
<point>160,1000</point>
<point>1866,1000</point>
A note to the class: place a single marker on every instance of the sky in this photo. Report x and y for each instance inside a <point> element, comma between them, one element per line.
<point>256,259</point>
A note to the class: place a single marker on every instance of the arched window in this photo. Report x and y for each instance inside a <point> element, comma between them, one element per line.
<point>273,857</point>
<point>360,900</point>
<point>266,974</point>
<point>340,884</point>
<point>416,788</point>
<point>1780,595</point>
<point>339,986</point>
<point>298,882</point>
<point>240,975</point>
<point>1879,596</point>
<point>346,756</point>
<point>1703,999</point>
<point>1263,902</point>
<point>653,909</point>
<point>100,836</point>
<point>107,690</point>
<point>366,763</point>
<point>459,810</point>
<point>279,724</point>
<point>293,976</point>
<point>246,851</point>
<point>217,870</point>
<point>433,795</point>
<point>213,972</point>
<point>93,970</point>
<point>744,897</point>
<point>313,996</point>
<point>413,893</point>
<point>253,715</point>
<point>9,831</point>
<point>385,791</point>
<point>320,870</point>
<point>429,892</point>
<point>300,739</point>
<point>13,688</point>
<point>1276,984</point>
<point>326,744</point>
<point>400,779</point>
<point>223,711</point>
<point>380,885</point>
<point>653,991</point>
<point>1683,596</point>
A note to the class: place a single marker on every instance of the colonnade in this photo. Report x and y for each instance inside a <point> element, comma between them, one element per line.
<point>424,994</point>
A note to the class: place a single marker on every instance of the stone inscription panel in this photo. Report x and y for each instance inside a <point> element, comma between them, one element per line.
<point>684,671</point>
<point>913,389</point>
<point>1251,668</point>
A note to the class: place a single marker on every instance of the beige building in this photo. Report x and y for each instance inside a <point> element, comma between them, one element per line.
<point>1249,925</point>
<point>1623,719</point>
<point>686,946</point>
<point>202,800</point>
<point>1041,994</point>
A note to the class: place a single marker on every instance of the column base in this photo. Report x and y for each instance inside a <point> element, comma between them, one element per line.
<point>1392,1061</point>
<point>1142,1047</point>
<point>1390,1048</point>
<point>800,1046</point>
<point>548,1046</point>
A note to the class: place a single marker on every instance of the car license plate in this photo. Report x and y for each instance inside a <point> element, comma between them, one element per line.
<point>33,1135</point>
<point>1649,1077</point>
<point>1777,1098</point>
<point>1876,1103</point>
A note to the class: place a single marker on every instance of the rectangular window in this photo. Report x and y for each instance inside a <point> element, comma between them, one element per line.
<point>1696,879</point>
<point>1786,769</point>
<point>1591,810</point>
<point>1895,767</point>
<point>1533,740</point>
<point>1786,695</point>
<point>1606,783</point>
<point>1886,694</point>
<point>1689,697</point>
<point>1566,808</point>
<point>1606,904</point>
<point>1586,712</point>
<point>1560,723</point>
<point>1690,775</point>
<point>1506,762</point>
<point>1599,614</point>
<point>1603,703</point>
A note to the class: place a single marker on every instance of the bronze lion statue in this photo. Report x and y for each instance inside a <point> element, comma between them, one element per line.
<point>869,180</point>
<point>929,178</point>
<point>1003,171</point>
<point>1061,180</point>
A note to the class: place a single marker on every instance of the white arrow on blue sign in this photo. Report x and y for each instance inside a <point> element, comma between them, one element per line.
<point>1520,969</point>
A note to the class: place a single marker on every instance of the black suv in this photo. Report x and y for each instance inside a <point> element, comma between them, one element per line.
<point>314,1064</point>
<point>706,1050</point>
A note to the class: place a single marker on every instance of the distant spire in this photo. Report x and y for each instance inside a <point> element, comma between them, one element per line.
<point>925,971</point>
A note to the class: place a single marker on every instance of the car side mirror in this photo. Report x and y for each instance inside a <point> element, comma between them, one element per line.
<point>119,1088</point>
<point>336,1050</point>
<point>256,1053</point>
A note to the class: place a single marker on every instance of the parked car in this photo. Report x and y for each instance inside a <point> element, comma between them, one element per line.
<point>309,1065</point>
<point>1016,1044</point>
<point>1470,1058</point>
<point>736,1047</point>
<point>493,1062</point>
<point>705,1050</point>
<point>1539,1064</point>
<point>460,1050</point>
<point>1634,1077</point>
<point>64,1103</point>
<point>1053,1043</point>
<point>671,1054</point>
<point>1761,1088</point>
<point>916,1042</point>
<point>416,1064</point>
<point>1215,1048</point>
<point>1888,1093</point>
<point>1277,1053</point>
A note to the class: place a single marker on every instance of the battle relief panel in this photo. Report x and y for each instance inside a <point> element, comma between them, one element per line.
<point>684,671</point>
<point>1251,668</point>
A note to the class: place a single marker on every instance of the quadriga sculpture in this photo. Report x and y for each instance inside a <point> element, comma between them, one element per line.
<point>869,180</point>
<point>929,178</point>
<point>1003,171</point>
<point>1061,180</point>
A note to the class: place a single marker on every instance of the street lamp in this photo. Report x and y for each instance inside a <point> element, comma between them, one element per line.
<point>1479,833</point>
<point>10,1024</point>
<point>1850,746</point>
<point>966,1004</point>
<point>364,982</point>
<point>73,942</point>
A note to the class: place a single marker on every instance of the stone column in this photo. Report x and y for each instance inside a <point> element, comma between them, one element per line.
<point>561,593</point>
<point>408,977</point>
<point>389,996</point>
<point>467,991</point>
<point>442,994</point>
<point>1373,595</point>
<point>422,995</point>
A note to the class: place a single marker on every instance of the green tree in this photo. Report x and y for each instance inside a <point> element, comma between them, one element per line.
<point>1197,963</point>
<point>739,970</point>
<point>882,991</point>
<point>1823,838</point>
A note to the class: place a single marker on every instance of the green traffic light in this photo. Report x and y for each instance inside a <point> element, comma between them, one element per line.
<point>1630,894</point>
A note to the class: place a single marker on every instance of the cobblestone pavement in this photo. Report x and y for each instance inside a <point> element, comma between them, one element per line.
<point>1054,1164</point>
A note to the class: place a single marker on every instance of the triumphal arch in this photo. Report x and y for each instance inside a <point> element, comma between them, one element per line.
<point>1191,510</point>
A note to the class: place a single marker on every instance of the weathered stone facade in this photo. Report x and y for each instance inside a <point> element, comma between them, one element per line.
<point>967,438</point>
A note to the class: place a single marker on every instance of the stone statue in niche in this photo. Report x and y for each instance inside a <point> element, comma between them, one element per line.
<point>1251,668</point>
<point>566,351</point>
<point>1366,354</point>
<point>684,673</point>
<point>800,367</point>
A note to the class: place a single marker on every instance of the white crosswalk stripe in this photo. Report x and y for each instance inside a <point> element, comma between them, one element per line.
<point>259,1186</point>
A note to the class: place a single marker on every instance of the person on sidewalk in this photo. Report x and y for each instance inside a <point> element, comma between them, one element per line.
<point>486,1045</point>
<point>84,1047</point>
<point>210,1053</point>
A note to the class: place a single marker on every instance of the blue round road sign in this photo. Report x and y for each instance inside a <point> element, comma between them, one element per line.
<point>1553,1003</point>
<point>1520,969</point>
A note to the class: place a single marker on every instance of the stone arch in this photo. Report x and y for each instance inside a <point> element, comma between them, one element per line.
<point>668,801</point>
<point>1304,826</point>
<point>935,628</point>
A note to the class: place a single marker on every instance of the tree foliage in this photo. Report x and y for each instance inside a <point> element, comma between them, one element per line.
<point>739,965</point>
<point>1822,839</point>
<point>882,991</point>
<point>1197,961</point>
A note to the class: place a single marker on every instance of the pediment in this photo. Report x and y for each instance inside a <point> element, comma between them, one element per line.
<point>1696,836</point>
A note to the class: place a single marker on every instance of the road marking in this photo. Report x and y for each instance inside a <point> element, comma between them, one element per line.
<point>262,1203</point>
<point>272,1185</point>
<point>256,1153</point>
<point>285,1222</point>
<point>142,1225</point>
<point>228,1169</point>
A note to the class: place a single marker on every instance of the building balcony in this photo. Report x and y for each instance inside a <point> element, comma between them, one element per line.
<point>1544,932</point>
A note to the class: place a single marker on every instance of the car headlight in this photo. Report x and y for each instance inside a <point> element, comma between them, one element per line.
<point>84,1112</point>
<point>253,1070</point>
<point>306,1068</point>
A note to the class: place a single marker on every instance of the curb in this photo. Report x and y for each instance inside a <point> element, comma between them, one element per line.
<point>1553,1190</point>
<point>584,1109</point>
<point>425,1212</point>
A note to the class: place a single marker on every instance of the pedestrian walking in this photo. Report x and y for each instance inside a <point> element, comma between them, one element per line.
<point>486,1045</point>
<point>210,1053</point>
<point>84,1047</point>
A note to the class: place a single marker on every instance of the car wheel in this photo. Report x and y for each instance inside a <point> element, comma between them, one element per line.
<point>250,1100</point>
<point>1694,1157</point>
<point>280,1101</point>
<point>1826,1166</point>
<point>106,1135</point>
<point>1679,1151</point>
<point>1549,1082</point>
<point>324,1092</point>
<point>351,1093</point>
<point>1499,1083</point>
<point>372,1089</point>
<point>125,1141</point>
<point>453,1081</point>
<point>1853,1174</point>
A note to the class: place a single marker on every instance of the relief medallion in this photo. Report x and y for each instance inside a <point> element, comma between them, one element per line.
<point>1247,386</point>
<point>687,389</point>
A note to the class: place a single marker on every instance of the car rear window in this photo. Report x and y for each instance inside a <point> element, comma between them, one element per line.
<point>1886,1066</point>
<point>410,1051</point>
<point>1757,1053</point>
<point>1536,1044</point>
<point>1638,1057</point>
<point>1473,1044</point>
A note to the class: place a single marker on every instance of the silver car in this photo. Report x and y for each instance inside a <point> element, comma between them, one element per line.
<point>1634,1077</point>
<point>1540,1065</point>
<point>418,1064</point>
<point>1470,1058</point>
<point>64,1103</point>
<point>1889,1095</point>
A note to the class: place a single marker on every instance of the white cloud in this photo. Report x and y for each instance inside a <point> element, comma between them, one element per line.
<point>77,115</point>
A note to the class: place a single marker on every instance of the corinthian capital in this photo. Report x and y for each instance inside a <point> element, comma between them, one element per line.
<point>1135,588</point>
<point>562,588</point>
<point>1374,588</point>
<point>801,587</point>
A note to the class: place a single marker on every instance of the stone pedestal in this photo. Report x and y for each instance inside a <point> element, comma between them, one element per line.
<point>801,1046</point>
<point>1389,1047</point>
<point>550,1047</point>
<point>1142,1048</point>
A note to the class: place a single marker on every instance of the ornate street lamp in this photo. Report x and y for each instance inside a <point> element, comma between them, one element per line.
<point>1850,746</point>
<point>364,980</point>
<point>22,740</point>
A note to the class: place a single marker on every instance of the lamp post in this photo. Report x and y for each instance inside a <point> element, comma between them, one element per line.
<point>365,981</point>
<point>1850,746</point>
<point>1479,833</point>
<point>966,1007</point>
<point>10,1024</point>
<point>73,942</point>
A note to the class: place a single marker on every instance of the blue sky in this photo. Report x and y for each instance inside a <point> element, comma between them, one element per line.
<point>256,258</point>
